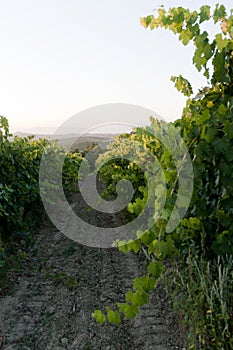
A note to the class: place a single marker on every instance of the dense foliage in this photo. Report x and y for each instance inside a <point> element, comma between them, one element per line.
<point>206,124</point>
<point>206,127</point>
<point>20,204</point>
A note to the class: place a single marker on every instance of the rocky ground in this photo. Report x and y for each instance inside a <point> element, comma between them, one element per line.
<point>58,287</point>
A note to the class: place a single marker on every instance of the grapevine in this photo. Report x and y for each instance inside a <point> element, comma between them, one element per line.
<point>206,126</point>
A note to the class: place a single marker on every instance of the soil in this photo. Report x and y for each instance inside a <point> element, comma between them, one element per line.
<point>62,282</point>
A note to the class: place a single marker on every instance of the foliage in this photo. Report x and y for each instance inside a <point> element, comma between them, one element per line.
<point>202,295</point>
<point>133,299</point>
<point>206,126</point>
<point>19,165</point>
<point>120,162</point>
<point>214,57</point>
<point>20,204</point>
<point>63,278</point>
<point>206,123</point>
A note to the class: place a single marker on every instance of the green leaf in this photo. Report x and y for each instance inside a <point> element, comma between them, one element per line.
<point>210,134</point>
<point>204,13</point>
<point>146,21</point>
<point>192,18</point>
<point>139,298</point>
<point>220,145</point>
<point>155,269</point>
<point>198,60</point>
<point>219,13</point>
<point>122,246</point>
<point>228,129</point>
<point>185,36</point>
<point>145,282</point>
<point>99,316</point>
<point>113,316</point>
<point>165,214</point>
<point>203,116</point>
<point>221,43</point>
<point>131,311</point>
<point>134,245</point>
<point>207,51</point>
<point>177,15</point>
<point>140,234</point>
<point>221,73</point>
<point>182,85</point>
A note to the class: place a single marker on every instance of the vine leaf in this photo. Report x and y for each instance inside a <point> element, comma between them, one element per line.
<point>155,268</point>
<point>113,316</point>
<point>182,85</point>
<point>99,316</point>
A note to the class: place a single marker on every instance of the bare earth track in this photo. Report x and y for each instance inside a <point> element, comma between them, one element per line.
<point>42,313</point>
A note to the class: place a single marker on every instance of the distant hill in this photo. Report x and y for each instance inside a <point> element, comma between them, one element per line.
<point>73,141</point>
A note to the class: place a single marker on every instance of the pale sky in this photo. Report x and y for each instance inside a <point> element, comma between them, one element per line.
<point>61,57</point>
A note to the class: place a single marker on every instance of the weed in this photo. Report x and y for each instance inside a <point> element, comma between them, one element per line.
<point>63,278</point>
<point>202,294</point>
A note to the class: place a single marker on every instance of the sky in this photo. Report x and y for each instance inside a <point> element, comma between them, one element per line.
<point>61,57</point>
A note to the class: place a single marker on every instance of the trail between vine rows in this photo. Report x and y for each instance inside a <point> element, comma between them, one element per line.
<point>41,313</point>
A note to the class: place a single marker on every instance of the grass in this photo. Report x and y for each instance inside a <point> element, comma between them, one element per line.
<point>63,278</point>
<point>202,295</point>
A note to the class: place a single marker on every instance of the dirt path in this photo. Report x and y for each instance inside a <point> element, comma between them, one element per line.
<point>48,311</point>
